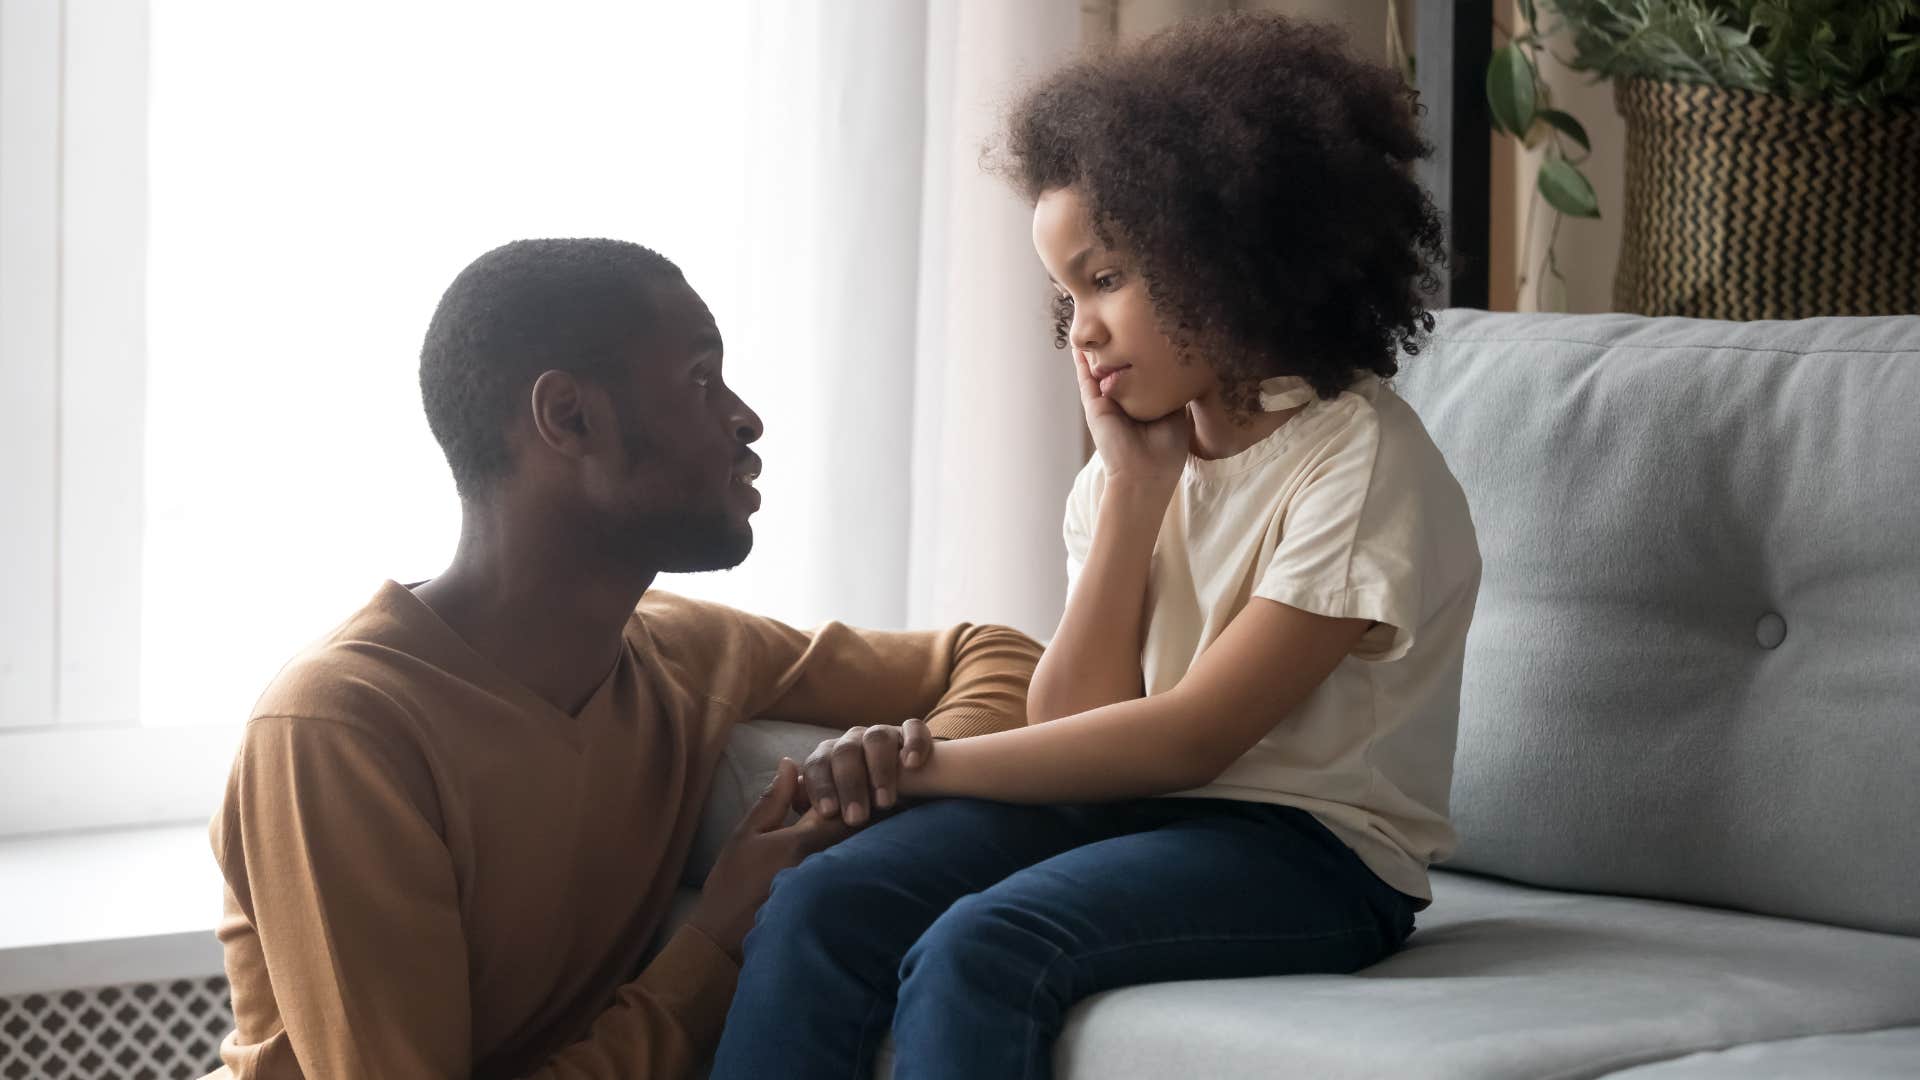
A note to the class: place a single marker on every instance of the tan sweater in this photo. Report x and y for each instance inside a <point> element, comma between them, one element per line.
<point>432,872</point>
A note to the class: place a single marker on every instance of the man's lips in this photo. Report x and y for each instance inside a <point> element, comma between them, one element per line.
<point>744,474</point>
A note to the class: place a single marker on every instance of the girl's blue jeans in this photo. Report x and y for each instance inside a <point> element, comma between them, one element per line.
<point>970,928</point>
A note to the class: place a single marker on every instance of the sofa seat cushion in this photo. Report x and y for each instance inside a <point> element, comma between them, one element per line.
<point>1860,1055</point>
<point>1507,981</point>
<point>1500,980</point>
<point>1504,980</point>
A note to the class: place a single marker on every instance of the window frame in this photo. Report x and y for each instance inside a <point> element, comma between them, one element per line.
<point>73,252</point>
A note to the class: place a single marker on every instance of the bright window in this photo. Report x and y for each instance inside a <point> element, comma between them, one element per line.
<point>224,226</point>
<point>318,175</point>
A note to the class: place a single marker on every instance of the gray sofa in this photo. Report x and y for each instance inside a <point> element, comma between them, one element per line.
<point>1688,777</point>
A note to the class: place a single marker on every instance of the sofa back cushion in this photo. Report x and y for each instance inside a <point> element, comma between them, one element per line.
<point>1694,672</point>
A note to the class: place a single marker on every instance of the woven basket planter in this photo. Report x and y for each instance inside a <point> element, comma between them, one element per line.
<point>1751,206</point>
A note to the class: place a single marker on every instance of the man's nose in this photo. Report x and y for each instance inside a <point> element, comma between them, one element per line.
<point>746,423</point>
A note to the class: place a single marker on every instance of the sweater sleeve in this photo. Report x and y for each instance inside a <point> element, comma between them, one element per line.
<point>343,931</point>
<point>661,1024</point>
<point>965,680</point>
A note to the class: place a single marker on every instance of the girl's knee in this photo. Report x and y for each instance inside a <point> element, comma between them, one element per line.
<point>980,939</point>
<point>816,895</point>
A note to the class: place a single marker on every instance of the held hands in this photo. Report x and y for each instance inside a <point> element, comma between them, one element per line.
<point>845,779</point>
<point>1152,452</point>
<point>760,847</point>
<point>857,774</point>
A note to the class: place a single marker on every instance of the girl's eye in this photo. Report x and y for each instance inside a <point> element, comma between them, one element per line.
<point>1107,282</point>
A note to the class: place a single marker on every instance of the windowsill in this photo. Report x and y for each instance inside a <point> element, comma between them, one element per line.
<point>107,907</point>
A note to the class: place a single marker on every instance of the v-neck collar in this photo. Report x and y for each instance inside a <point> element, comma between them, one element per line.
<point>451,652</point>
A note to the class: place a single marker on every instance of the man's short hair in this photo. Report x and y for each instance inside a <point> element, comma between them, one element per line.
<point>531,306</point>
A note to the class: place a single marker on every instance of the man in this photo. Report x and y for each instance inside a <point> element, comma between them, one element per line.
<point>454,826</point>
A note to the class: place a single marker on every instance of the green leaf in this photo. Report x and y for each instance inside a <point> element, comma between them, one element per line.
<point>1566,190</point>
<point>1510,90</point>
<point>1843,51</point>
<point>1567,126</point>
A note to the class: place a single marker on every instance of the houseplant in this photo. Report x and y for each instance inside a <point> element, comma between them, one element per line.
<point>1772,148</point>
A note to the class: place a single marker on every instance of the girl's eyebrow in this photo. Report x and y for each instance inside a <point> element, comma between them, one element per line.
<point>1074,264</point>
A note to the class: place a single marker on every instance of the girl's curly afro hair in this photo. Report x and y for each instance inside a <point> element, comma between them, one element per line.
<point>1262,179</point>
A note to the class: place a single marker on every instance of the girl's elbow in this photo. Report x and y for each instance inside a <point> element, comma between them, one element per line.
<point>1048,700</point>
<point>1199,762</point>
<point>1040,709</point>
<point>1194,772</point>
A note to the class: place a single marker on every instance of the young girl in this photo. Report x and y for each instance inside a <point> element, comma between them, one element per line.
<point>1240,739</point>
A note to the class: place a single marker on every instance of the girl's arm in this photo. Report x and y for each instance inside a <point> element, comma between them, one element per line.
<point>1263,665</point>
<point>1094,658</point>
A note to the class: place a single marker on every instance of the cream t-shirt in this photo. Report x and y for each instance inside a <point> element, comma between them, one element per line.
<point>1348,510</point>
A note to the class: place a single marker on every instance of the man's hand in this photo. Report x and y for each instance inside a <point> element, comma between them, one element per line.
<point>843,774</point>
<point>760,848</point>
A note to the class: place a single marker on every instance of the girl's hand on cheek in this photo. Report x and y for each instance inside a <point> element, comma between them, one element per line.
<point>1153,452</point>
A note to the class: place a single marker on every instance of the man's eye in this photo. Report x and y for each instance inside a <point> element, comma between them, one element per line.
<point>701,379</point>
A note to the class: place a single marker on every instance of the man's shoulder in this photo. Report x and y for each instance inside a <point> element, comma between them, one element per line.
<point>710,647</point>
<point>361,674</point>
<point>331,694</point>
<point>680,624</point>
<point>660,604</point>
<point>346,706</point>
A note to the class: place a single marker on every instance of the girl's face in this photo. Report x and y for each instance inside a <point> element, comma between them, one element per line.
<point>1113,322</point>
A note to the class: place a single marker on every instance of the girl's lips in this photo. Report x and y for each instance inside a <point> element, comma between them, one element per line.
<point>1107,376</point>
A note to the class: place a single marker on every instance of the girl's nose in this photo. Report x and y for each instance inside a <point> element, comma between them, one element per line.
<point>1088,332</point>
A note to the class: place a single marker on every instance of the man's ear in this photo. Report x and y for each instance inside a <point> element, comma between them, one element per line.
<point>568,415</point>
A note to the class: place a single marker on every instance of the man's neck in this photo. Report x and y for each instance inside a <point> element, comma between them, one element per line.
<point>539,608</point>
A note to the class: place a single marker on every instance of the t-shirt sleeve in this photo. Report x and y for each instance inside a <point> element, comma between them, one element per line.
<point>1349,544</point>
<point>1083,505</point>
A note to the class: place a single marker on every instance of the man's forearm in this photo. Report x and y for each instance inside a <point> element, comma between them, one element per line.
<point>663,1023</point>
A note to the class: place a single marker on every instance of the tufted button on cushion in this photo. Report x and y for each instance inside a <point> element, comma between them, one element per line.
<point>1648,493</point>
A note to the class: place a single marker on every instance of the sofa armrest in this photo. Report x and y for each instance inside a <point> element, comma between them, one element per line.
<point>746,768</point>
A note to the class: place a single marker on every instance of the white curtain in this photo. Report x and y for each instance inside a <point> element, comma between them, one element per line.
<point>893,285</point>
<point>812,164</point>
<point>997,430</point>
<point>937,425</point>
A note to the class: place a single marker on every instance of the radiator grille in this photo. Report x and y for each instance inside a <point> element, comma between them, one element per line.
<point>139,1031</point>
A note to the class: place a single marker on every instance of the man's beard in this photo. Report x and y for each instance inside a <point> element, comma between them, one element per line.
<point>709,541</point>
<point>683,541</point>
<point>680,542</point>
